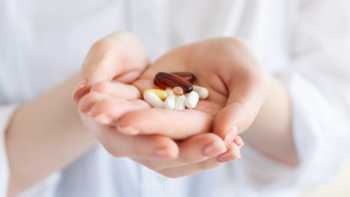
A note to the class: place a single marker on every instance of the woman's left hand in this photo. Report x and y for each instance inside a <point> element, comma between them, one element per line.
<point>235,81</point>
<point>236,84</point>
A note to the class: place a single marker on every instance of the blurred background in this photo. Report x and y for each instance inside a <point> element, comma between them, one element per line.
<point>340,187</point>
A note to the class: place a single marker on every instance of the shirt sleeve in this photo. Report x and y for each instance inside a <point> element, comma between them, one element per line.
<point>318,81</point>
<point>5,115</point>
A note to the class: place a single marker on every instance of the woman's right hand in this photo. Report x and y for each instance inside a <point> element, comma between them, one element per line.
<point>111,66</point>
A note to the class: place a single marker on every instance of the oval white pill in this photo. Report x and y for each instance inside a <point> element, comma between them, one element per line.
<point>153,99</point>
<point>192,100</point>
<point>170,102</point>
<point>202,91</point>
<point>180,102</point>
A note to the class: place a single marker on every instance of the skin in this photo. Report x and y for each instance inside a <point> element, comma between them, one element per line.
<point>241,96</point>
<point>109,100</point>
<point>57,144</point>
<point>30,135</point>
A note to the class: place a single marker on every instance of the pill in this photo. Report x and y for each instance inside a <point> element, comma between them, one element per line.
<point>178,91</point>
<point>164,80</point>
<point>169,91</point>
<point>170,102</point>
<point>190,77</point>
<point>153,99</point>
<point>202,91</point>
<point>180,102</point>
<point>160,93</point>
<point>192,100</point>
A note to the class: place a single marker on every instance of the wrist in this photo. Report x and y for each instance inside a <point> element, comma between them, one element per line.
<point>271,132</point>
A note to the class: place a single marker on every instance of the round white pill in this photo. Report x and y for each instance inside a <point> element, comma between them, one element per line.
<point>180,102</point>
<point>202,91</point>
<point>192,100</point>
<point>170,102</point>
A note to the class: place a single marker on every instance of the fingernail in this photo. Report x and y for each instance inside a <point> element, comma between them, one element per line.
<point>162,153</point>
<point>225,157</point>
<point>127,130</point>
<point>211,150</point>
<point>236,152</point>
<point>238,140</point>
<point>80,91</point>
<point>231,135</point>
<point>103,119</point>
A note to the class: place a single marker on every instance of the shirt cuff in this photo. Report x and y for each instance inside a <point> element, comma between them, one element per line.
<point>5,116</point>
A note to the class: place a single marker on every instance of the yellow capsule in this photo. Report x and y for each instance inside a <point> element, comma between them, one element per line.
<point>160,93</point>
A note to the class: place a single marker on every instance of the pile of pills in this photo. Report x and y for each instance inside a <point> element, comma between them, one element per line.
<point>175,91</point>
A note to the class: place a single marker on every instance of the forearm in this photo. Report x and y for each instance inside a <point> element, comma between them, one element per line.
<point>271,132</point>
<point>43,136</point>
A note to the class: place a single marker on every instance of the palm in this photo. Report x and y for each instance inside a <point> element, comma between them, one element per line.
<point>216,66</point>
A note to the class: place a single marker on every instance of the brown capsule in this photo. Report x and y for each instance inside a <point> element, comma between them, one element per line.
<point>165,80</point>
<point>187,76</point>
<point>178,91</point>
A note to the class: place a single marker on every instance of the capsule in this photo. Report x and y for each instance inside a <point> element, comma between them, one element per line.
<point>165,80</point>
<point>153,99</point>
<point>190,77</point>
<point>160,93</point>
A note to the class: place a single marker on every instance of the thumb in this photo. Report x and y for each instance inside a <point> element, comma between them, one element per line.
<point>243,104</point>
<point>114,56</point>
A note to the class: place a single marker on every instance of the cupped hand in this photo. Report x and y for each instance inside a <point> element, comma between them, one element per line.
<point>105,95</point>
<point>236,86</point>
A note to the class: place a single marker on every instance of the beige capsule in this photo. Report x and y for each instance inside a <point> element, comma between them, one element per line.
<point>153,99</point>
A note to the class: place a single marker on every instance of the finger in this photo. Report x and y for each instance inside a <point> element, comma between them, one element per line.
<point>244,102</point>
<point>87,102</point>
<point>150,147</point>
<point>175,124</point>
<point>190,169</point>
<point>111,109</point>
<point>201,147</point>
<point>81,90</point>
<point>192,150</point>
<point>113,56</point>
<point>232,154</point>
<point>117,89</point>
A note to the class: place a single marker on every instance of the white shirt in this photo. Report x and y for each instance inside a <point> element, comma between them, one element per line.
<point>306,41</point>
